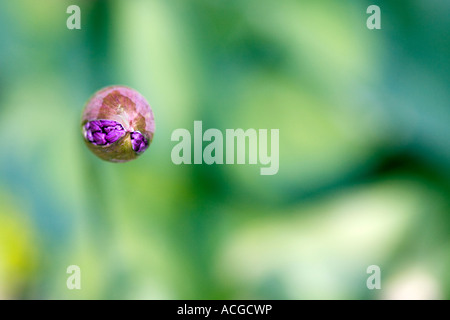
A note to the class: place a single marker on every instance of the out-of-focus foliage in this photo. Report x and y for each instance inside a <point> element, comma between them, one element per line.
<point>364,150</point>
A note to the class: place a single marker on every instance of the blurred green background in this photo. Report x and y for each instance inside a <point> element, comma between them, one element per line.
<point>364,150</point>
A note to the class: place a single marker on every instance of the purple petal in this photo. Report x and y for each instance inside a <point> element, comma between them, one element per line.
<point>113,128</point>
<point>142,147</point>
<point>99,138</point>
<point>108,123</point>
<point>96,122</point>
<point>113,136</point>
<point>101,132</point>
<point>95,128</point>
<point>138,142</point>
<point>89,135</point>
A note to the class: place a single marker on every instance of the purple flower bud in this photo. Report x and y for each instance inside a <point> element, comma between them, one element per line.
<point>105,134</point>
<point>115,135</point>
<point>99,138</point>
<point>138,142</point>
<point>89,135</point>
<point>94,127</point>
<point>118,124</point>
<point>107,123</point>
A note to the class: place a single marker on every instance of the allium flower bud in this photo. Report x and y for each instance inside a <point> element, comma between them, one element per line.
<point>117,124</point>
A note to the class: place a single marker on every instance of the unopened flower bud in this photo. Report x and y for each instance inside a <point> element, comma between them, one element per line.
<point>117,124</point>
